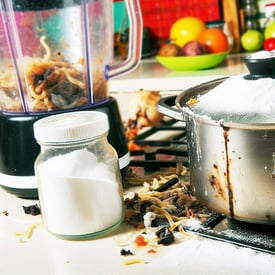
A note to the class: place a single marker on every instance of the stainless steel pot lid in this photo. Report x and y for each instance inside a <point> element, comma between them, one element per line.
<point>244,99</point>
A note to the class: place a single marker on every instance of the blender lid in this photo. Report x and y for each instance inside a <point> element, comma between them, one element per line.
<point>26,5</point>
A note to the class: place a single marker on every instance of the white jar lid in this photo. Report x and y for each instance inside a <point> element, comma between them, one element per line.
<point>71,126</point>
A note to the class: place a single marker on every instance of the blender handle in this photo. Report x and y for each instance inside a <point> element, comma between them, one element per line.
<point>135,42</point>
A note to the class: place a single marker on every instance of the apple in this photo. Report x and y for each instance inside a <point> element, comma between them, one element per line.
<point>252,40</point>
<point>269,44</point>
<point>193,47</point>
<point>170,49</point>
<point>269,31</point>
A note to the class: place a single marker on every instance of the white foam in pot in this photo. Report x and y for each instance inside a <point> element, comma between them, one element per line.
<point>239,100</point>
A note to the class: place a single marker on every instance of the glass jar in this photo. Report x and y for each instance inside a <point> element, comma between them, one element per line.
<point>78,177</point>
<point>269,14</point>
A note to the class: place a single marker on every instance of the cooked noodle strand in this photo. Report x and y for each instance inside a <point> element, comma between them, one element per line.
<point>47,56</point>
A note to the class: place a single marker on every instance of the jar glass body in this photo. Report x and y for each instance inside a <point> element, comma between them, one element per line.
<point>79,187</point>
<point>269,15</point>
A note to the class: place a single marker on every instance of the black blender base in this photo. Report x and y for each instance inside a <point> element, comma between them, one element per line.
<point>21,186</point>
<point>22,193</point>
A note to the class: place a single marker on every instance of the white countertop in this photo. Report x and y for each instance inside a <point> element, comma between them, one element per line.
<point>43,253</point>
<point>153,76</point>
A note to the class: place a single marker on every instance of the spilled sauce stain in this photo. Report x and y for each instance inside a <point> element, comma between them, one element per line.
<point>216,184</point>
<point>273,160</point>
<point>229,184</point>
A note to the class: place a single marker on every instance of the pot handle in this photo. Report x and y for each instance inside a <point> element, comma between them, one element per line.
<point>165,106</point>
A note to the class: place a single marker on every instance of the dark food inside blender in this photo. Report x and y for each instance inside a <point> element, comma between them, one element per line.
<point>52,84</point>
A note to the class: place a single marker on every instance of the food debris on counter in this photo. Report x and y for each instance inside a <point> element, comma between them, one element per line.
<point>143,112</point>
<point>147,219</point>
<point>33,210</point>
<point>175,205</point>
<point>140,241</point>
<point>5,213</point>
<point>158,212</point>
<point>154,180</point>
<point>143,108</point>
<point>157,204</point>
<point>25,235</point>
<point>138,247</point>
<point>135,261</point>
<point>124,252</point>
<point>165,235</point>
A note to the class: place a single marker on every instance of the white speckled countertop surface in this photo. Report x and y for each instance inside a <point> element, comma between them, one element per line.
<point>44,254</point>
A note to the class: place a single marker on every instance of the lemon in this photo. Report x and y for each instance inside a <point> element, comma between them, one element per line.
<point>186,29</point>
<point>269,30</point>
<point>252,40</point>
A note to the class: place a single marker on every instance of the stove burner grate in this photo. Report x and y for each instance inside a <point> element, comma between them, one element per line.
<point>151,158</point>
<point>147,137</point>
<point>164,146</point>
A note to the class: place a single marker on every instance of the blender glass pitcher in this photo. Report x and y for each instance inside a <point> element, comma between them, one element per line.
<point>56,55</point>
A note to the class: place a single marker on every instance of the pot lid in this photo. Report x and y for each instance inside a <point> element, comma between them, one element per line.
<point>246,99</point>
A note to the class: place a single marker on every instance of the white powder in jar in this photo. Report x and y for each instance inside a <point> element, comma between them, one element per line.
<point>239,100</point>
<point>78,195</point>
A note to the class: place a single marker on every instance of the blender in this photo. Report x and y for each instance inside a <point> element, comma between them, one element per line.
<point>56,56</point>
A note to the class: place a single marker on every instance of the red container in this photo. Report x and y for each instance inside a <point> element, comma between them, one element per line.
<point>159,15</point>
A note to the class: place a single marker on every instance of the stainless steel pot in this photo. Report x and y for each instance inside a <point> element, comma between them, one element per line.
<point>232,165</point>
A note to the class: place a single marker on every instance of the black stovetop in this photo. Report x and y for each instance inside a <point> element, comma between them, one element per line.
<point>260,237</point>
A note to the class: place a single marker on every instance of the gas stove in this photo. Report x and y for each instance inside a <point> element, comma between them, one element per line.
<point>164,146</point>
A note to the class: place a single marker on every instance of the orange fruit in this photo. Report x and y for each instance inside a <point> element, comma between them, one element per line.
<point>186,29</point>
<point>215,40</point>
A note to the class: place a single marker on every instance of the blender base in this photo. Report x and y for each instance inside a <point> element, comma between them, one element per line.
<point>18,147</point>
<point>27,185</point>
